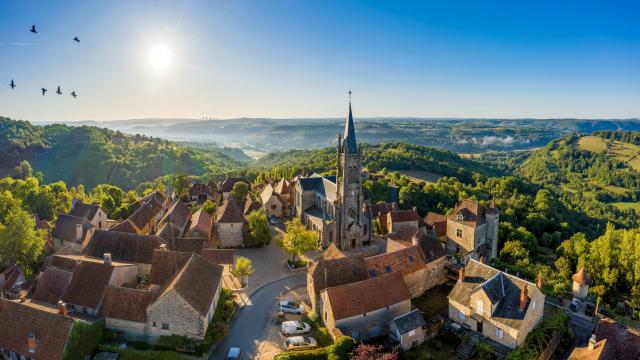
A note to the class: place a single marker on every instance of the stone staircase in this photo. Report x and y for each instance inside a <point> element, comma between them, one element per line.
<point>468,347</point>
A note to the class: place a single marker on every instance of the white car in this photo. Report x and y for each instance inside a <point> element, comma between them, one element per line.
<point>291,307</point>
<point>295,327</point>
<point>300,343</point>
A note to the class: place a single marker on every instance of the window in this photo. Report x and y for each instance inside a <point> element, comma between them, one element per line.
<point>412,333</point>
<point>325,316</point>
<point>499,333</point>
<point>459,217</point>
<point>459,232</point>
<point>154,324</point>
<point>365,314</point>
<point>479,307</point>
<point>387,268</point>
<point>165,326</point>
<point>461,315</point>
<point>273,207</point>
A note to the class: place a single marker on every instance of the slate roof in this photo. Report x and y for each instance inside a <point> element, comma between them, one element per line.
<point>196,283</point>
<point>52,284</point>
<point>507,311</point>
<point>17,321</point>
<point>406,261</point>
<point>325,186</point>
<point>133,248</point>
<point>166,264</point>
<point>409,321</point>
<point>85,211</point>
<point>350,145</point>
<point>437,221</point>
<point>473,214</point>
<point>581,277</point>
<point>126,303</point>
<point>361,297</point>
<point>227,184</point>
<point>218,256</point>
<point>124,226</point>
<point>624,340</point>
<point>230,212</point>
<point>340,269</point>
<point>147,207</point>
<point>65,228</point>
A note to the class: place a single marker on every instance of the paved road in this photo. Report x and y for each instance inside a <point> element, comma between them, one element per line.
<point>250,324</point>
<point>582,329</point>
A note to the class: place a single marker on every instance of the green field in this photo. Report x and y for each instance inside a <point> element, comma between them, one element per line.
<point>417,175</point>
<point>627,205</point>
<point>625,152</point>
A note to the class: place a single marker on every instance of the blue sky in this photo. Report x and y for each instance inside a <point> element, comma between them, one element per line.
<point>285,58</point>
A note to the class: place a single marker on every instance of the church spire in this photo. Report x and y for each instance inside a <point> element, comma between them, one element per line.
<point>350,145</point>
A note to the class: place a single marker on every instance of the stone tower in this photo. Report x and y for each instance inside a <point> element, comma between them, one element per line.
<point>493,219</point>
<point>353,224</point>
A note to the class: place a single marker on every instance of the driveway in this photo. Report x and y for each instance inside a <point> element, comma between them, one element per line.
<point>249,326</point>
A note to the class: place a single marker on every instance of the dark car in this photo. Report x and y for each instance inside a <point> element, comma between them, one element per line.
<point>588,309</point>
<point>234,353</point>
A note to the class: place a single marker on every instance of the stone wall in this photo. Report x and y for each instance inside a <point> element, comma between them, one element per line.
<point>229,235</point>
<point>132,330</point>
<point>424,279</point>
<point>182,319</point>
<point>273,207</point>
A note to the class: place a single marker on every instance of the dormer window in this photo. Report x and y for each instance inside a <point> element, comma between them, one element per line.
<point>459,217</point>
<point>459,233</point>
<point>32,343</point>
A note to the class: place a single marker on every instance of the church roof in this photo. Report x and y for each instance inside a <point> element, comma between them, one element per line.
<point>350,145</point>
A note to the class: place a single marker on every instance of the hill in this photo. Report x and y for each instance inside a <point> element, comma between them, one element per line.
<point>90,155</point>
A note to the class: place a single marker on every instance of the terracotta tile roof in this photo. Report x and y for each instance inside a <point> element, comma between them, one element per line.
<point>431,249</point>
<point>87,285</point>
<point>581,277</point>
<point>437,221</point>
<point>266,193</point>
<point>197,283</point>
<point>218,256</point>
<point>85,211</point>
<point>52,284</point>
<point>134,248</point>
<point>227,184</point>
<point>200,225</point>
<point>404,215</point>
<point>63,262</point>
<point>124,226</point>
<point>368,295</point>
<point>406,261</point>
<point>624,340</point>
<point>340,270</point>
<point>65,228</point>
<point>198,189</point>
<point>406,235</point>
<point>17,321</point>
<point>383,208</point>
<point>191,245</point>
<point>166,264</point>
<point>147,208</point>
<point>11,276</point>
<point>230,212</point>
<point>126,303</point>
<point>250,205</point>
<point>473,214</point>
<point>601,351</point>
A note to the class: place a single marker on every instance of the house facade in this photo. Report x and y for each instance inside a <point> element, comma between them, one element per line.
<point>408,329</point>
<point>499,306</point>
<point>472,230</point>
<point>93,213</point>
<point>229,225</point>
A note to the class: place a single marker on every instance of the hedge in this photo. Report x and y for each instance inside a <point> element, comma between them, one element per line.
<point>83,340</point>
<point>338,351</point>
<point>133,354</point>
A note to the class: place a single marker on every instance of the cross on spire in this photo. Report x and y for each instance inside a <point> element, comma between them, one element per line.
<point>349,95</point>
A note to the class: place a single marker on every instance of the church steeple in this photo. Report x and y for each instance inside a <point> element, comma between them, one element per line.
<point>350,145</point>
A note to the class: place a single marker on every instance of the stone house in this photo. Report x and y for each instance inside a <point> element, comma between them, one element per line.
<point>229,226</point>
<point>379,211</point>
<point>199,226</point>
<point>79,281</point>
<point>333,268</point>
<point>363,309</point>
<point>124,247</point>
<point>173,223</point>
<point>96,216</point>
<point>29,333</point>
<point>72,231</point>
<point>402,220</point>
<point>472,230</point>
<point>145,214</point>
<point>408,329</point>
<point>199,192</point>
<point>580,284</point>
<point>277,200</point>
<point>439,223</point>
<point>125,311</point>
<point>499,306</point>
<point>226,186</point>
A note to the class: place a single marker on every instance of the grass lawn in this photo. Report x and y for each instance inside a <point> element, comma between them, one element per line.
<point>622,151</point>
<point>418,175</point>
<point>441,347</point>
<point>434,301</point>
<point>627,205</point>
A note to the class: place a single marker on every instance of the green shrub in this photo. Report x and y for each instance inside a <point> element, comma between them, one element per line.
<point>83,340</point>
<point>133,354</point>
<point>338,351</point>
<point>342,348</point>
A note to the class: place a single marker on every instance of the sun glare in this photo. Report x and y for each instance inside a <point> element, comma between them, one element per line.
<point>160,57</point>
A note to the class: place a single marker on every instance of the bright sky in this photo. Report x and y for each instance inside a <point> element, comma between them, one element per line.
<point>292,58</point>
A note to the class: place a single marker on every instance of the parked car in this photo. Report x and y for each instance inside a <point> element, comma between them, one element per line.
<point>273,220</point>
<point>588,309</point>
<point>291,307</point>
<point>234,353</point>
<point>300,343</point>
<point>295,327</point>
<point>575,304</point>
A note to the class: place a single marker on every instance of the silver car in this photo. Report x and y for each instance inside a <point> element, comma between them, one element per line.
<point>295,327</point>
<point>291,307</point>
<point>300,343</point>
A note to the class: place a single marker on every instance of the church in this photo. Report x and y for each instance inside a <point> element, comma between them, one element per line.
<point>334,206</point>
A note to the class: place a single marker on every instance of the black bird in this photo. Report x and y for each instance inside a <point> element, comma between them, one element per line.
<point>76,40</point>
<point>58,91</point>
<point>33,29</point>
<point>12,84</point>
<point>44,91</point>
<point>73,93</point>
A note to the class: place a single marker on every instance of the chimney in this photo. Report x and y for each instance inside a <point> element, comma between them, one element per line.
<point>481,259</point>
<point>539,280</point>
<point>79,233</point>
<point>32,342</point>
<point>414,208</point>
<point>62,308</point>
<point>461,275</point>
<point>523,297</point>
<point>592,342</point>
<point>107,258</point>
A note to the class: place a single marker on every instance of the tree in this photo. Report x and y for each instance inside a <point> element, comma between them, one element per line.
<point>243,269</point>
<point>181,185</point>
<point>23,170</point>
<point>209,207</point>
<point>21,243</point>
<point>240,190</point>
<point>259,227</point>
<point>297,239</point>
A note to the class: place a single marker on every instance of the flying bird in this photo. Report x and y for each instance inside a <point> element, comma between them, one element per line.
<point>76,40</point>
<point>44,91</point>
<point>13,85</point>
<point>73,93</point>
<point>58,91</point>
<point>33,29</point>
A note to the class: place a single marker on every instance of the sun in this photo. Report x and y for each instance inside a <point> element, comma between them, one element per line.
<point>160,57</point>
